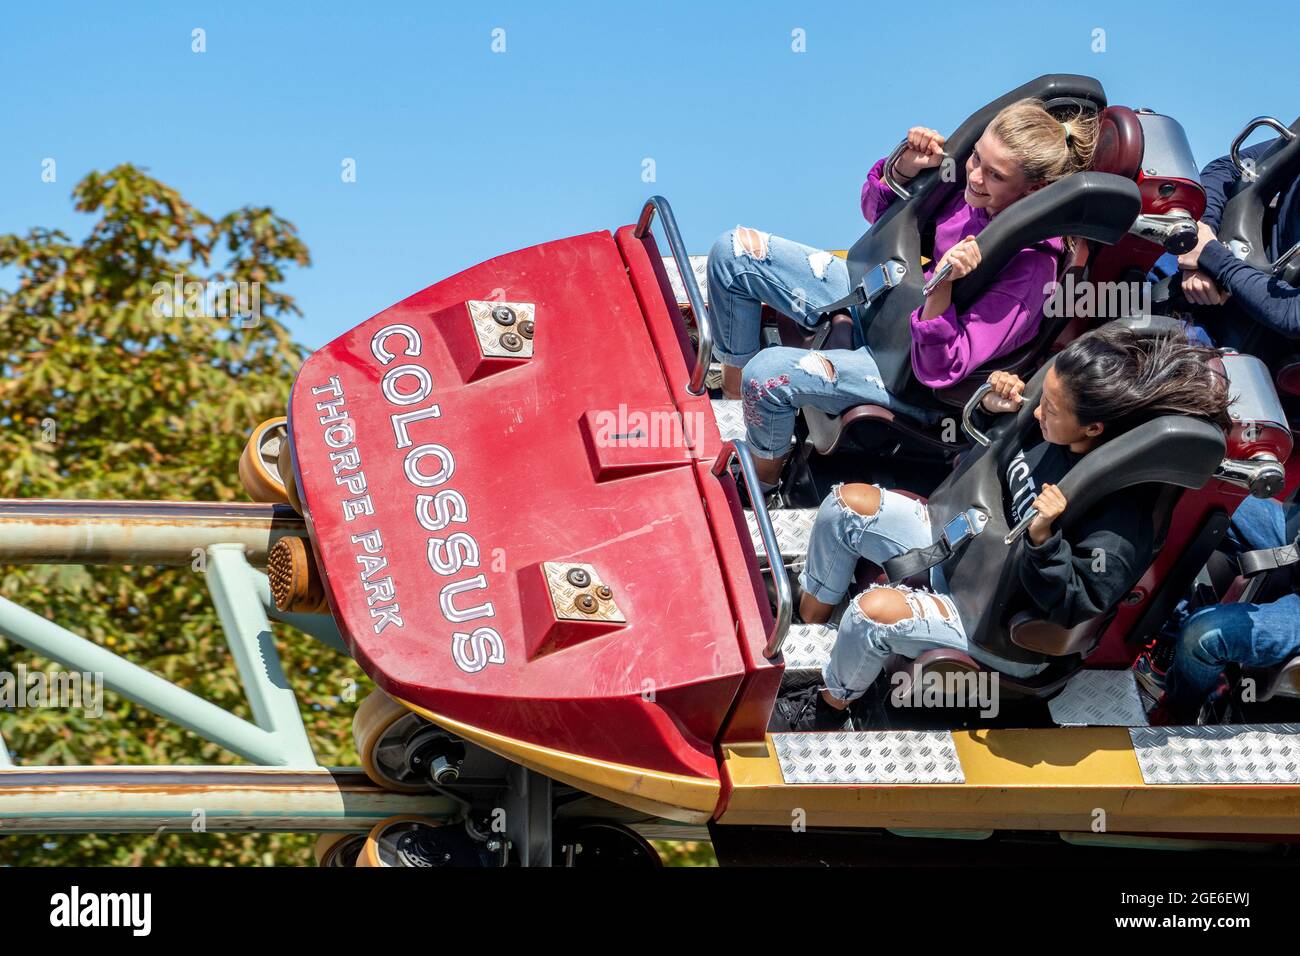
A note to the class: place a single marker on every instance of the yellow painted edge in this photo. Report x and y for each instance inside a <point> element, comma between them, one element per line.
<point>673,796</point>
<point>1015,779</point>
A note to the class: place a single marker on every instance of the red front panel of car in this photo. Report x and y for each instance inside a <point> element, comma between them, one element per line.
<point>435,563</point>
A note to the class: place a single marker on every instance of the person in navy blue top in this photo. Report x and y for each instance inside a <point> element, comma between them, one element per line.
<point>1188,674</point>
<point>1212,275</point>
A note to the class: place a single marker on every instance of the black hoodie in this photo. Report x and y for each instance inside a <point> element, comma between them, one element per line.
<point>1070,581</point>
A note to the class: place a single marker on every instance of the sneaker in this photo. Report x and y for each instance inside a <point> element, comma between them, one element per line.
<point>807,710</point>
<point>1152,666</point>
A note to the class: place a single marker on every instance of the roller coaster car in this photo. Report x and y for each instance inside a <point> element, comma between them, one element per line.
<point>545,557</point>
<point>538,551</point>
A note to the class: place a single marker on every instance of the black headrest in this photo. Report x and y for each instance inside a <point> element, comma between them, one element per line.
<point>1170,450</point>
<point>1243,214</point>
<point>1054,89</point>
<point>1098,206</point>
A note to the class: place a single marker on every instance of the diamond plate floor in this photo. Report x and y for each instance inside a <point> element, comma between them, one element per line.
<point>699,269</point>
<point>869,757</point>
<point>793,527</point>
<point>1099,699</point>
<point>1221,754</point>
<point>730,418</point>
<point>807,647</point>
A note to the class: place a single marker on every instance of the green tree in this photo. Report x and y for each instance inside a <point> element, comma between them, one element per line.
<point>112,391</point>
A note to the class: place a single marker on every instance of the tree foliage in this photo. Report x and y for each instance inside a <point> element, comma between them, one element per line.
<point>112,389</point>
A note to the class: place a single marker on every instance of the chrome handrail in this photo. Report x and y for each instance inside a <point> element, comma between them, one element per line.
<point>1253,125</point>
<point>704,348</point>
<point>784,596</point>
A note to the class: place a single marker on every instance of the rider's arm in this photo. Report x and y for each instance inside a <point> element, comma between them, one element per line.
<point>1070,583</point>
<point>948,347</point>
<point>1267,300</point>
<point>1218,178</point>
<point>876,195</point>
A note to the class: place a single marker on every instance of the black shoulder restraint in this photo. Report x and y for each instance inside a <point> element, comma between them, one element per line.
<point>956,534</point>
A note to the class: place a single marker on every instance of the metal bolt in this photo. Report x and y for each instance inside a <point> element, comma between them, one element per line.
<point>526,328</point>
<point>578,577</point>
<point>586,604</point>
<point>603,592</point>
<point>511,342</point>
<point>504,315</point>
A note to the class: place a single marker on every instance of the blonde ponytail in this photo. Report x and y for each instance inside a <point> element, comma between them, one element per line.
<point>1047,146</point>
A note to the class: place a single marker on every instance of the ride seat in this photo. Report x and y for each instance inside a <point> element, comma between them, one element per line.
<point>1120,142</point>
<point>1171,451</point>
<point>1065,647</point>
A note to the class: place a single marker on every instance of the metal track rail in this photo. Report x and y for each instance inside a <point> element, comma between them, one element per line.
<point>49,531</point>
<point>200,798</point>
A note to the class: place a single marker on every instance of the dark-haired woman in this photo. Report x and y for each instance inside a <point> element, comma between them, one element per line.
<point>1102,385</point>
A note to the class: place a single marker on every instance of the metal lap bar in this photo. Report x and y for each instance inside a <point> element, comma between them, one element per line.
<point>1253,125</point>
<point>704,349</point>
<point>784,597</point>
<point>1022,527</point>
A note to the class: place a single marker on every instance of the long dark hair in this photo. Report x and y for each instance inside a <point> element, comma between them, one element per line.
<point>1121,379</point>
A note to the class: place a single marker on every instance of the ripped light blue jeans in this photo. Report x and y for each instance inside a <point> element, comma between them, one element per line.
<point>840,537</point>
<point>748,268</point>
<point>777,382</point>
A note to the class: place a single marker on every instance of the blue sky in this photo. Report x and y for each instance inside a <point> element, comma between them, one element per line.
<point>462,153</point>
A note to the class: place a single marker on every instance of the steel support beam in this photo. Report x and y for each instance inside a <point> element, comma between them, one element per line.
<point>144,799</point>
<point>47,531</point>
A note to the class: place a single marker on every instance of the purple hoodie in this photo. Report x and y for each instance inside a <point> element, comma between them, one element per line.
<point>949,347</point>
